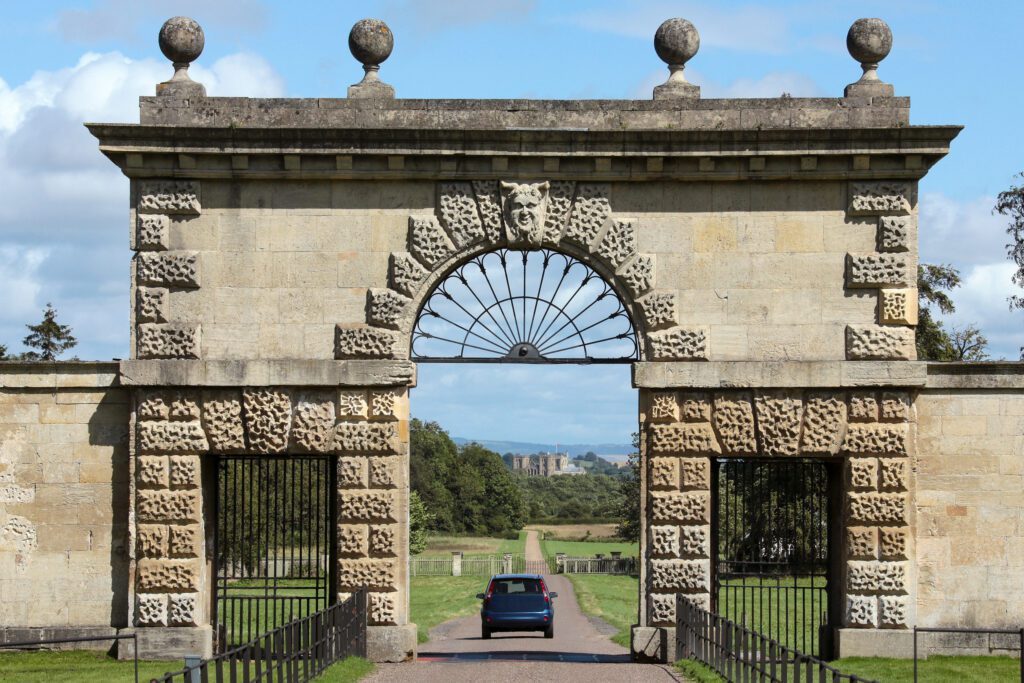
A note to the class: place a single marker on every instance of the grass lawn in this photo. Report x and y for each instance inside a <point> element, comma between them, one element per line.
<point>444,546</point>
<point>610,597</point>
<point>434,600</point>
<point>782,608</point>
<point>935,669</point>
<point>588,548</point>
<point>574,532</point>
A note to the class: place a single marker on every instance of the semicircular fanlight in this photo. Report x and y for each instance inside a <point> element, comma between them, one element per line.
<point>525,306</point>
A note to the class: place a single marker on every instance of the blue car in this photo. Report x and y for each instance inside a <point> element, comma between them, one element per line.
<point>517,602</point>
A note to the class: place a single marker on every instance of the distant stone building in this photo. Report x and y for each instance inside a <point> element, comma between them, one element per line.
<point>542,464</point>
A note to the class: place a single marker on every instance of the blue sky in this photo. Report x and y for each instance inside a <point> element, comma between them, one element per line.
<point>63,225</point>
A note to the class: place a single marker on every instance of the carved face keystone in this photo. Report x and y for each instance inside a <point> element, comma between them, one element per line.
<point>524,211</point>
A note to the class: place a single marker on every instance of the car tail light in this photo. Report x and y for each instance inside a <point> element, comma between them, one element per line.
<point>544,590</point>
<point>545,618</point>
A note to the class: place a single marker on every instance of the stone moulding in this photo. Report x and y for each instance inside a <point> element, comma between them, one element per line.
<point>229,373</point>
<point>782,374</point>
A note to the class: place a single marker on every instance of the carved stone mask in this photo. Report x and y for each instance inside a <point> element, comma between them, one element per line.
<point>524,211</point>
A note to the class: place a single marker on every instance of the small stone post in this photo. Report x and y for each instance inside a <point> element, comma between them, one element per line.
<point>869,42</point>
<point>182,41</point>
<point>456,563</point>
<point>676,42</point>
<point>506,563</point>
<point>371,42</point>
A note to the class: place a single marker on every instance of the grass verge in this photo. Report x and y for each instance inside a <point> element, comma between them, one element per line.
<point>348,670</point>
<point>434,600</point>
<point>935,669</point>
<point>444,545</point>
<point>586,548</point>
<point>612,598</point>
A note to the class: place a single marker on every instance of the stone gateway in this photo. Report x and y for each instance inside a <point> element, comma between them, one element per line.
<point>764,249</point>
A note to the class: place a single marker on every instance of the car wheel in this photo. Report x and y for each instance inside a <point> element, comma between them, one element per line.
<point>485,633</point>
<point>549,632</point>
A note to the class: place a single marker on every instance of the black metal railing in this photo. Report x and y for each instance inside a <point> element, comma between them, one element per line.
<point>1018,633</point>
<point>293,653</point>
<point>37,645</point>
<point>741,654</point>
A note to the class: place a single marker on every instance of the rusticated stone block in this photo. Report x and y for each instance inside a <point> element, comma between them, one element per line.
<point>151,471</point>
<point>383,540</point>
<point>662,609</point>
<point>168,575</point>
<point>664,473</point>
<point>894,233</point>
<point>313,424</point>
<point>184,407</point>
<point>678,343</point>
<point>874,342</point>
<point>638,275</point>
<point>352,540</point>
<point>778,424</point>
<point>683,439</point>
<point>863,473</point>
<point>560,194</point>
<point>268,419</point>
<point>893,611</point>
<point>893,474</point>
<point>861,611</point>
<point>664,407</point>
<point>659,310</point>
<point>171,437</point>
<point>150,305</point>
<point>458,211</point>
<point>167,269</point>
<point>895,406</point>
<point>152,610</point>
<point>353,404</point>
<point>366,437</point>
<point>618,245</point>
<point>352,472</point>
<point>695,473</point>
<point>151,232</point>
<point>182,609</point>
<point>488,202</point>
<point>693,541</point>
<point>734,423</point>
<point>861,542</point>
<point>879,198</point>
<point>665,541</point>
<point>169,196</point>
<point>875,577</point>
<point>878,508</point>
<point>168,506</point>
<point>589,212</point>
<point>381,608</point>
<point>877,270</point>
<point>222,420</point>
<point>679,575</point>
<point>405,274</point>
<point>364,342</point>
<point>184,540</point>
<point>824,424</point>
<point>168,340</point>
<point>184,471</point>
<point>383,404</point>
<point>893,543</point>
<point>152,540</point>
<point>876,439</point>
<point>897,307</point>
<point>428,241</point>
<point>387,308</point>
<point>694,407</point>
<point>690,507</point>
<point>863,407</point>
<point>378,574</point>
<point>153,406</point>
<point>366,506</point>
<point>383,472</point>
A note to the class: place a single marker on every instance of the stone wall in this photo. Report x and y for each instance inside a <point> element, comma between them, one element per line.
<point>63,500</point>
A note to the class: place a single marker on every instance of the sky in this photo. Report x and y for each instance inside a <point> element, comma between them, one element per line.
<point>63,206</point>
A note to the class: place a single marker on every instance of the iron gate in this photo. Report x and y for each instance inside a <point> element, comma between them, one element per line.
<point>772,535</point>
<point>273,543</point>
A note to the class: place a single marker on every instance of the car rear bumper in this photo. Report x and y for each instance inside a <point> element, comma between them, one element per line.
<point>506,621</point>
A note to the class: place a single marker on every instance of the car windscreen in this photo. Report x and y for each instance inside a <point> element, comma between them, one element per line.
<point>516,587</point>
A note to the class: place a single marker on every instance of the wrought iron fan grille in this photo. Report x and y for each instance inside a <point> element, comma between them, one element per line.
<point>524,306</point>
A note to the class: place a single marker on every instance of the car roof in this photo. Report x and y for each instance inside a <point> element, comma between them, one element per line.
<point>516,576</point>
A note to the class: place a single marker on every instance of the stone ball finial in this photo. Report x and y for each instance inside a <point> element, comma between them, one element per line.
<point>371,42</point>
<point>869,41</point>
<point>676,41</point>
<point>182,41</point>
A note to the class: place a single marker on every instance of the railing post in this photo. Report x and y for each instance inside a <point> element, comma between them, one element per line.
<point>456,563</point>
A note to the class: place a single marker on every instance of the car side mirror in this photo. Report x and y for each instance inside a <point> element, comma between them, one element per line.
<point>480,596</point>
<point>553,595</point>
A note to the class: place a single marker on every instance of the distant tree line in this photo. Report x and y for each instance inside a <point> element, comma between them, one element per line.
<point>47,340</point>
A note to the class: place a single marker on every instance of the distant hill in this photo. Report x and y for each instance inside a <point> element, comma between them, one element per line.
<point>605,450</point>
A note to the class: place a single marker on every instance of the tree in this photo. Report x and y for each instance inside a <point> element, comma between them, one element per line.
<point>933,281</point>
<point>968,344</point>
<point>3,352</point>
<point>1011,204</point>
<point>419,524</point>
<point>629,486</point>
<point>49,337</point>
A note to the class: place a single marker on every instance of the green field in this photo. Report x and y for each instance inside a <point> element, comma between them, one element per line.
<point>610,597</point>
<point>588,548</point>
<point>434,600</point>
<point>783,614</point>
<point>471,546</point>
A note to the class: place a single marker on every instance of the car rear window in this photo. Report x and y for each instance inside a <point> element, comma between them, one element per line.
<point>507,586</point>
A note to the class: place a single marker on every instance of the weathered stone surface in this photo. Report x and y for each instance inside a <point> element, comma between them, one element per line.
<point>524,207</point>
<point>352,472</point>
<point>153,406</point>
<point>366,437</point>
<point>664,473</point>
<point>893,543</point>
<point>875,577</point>
<point>184,406</point>
<point>678,343</point>
<point>863,407</point>
<point>878,198</point>
<point>680,507</point>
<point>182,610</point>
<point>560,194</point>
<point>168,506</point>
<point>169,196</point>
<point>352,540</point>
<point>458,212</point>
<point>665,541</point>
<point>683,439</point>
<point>488,202</point>
<point>168,575</point>
<point>366,506</point>
<point>861,610</point>
<point>734,423</point>
<point>387,308</point>
<point>664,407</point>
<point>353,404</point>
<point>778,423</point>
<point>824,424</point>
<point>168,340</point>
<point>874,342</point>
<point>152,233</point>
<point>893,611</point>
<point>894,233</point>
<point>693,541</point>
<point>589,212</point>
<point>878,508</point>
<point>895,406</point>
<point>618,243</point>
<point>893,474</point>
<point>694,473</point>
<point>898,307</point>
<point>150,305</point>
<point>222,421</point>
<point>694,407</point>
<point>152,610</point>
<point>876,439</point>
<point>662,608</point>
<point>406,275</point>
<point>379,574</point>
<point>171,437</point>
<point>365,342</point>
<point>184,471</point>
<point>638,275</point>
<point>313,424</point>
<point>167,269</point>
<point>152,540</point>
<point>659,310</point>
<point>863,473</point>
<point>428,241</point>
<point>151,471</point>
<point>679,575</point>
<point>861,542</point>
<point>383,540</point>
<point>381,608</point>
<point>184,540</point>
<point>268,419</point>
<point>383,472</point>
<point>877,270</point>
<point>383,404</point>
